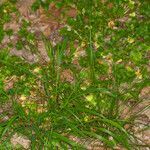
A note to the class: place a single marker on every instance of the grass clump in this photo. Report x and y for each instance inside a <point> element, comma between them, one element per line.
<point>99,67</point>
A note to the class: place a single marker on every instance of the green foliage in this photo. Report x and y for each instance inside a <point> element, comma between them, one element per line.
<point>112,70</point>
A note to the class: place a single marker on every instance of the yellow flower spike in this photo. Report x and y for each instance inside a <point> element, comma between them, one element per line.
<point>5,11</point>
<point>132,14</point>
<point>86,118</point>
<point>83,88</point>
<point>119,61</point>
<point>37,70</point>
<point>83,44</point>
<point>68,28</point>
<point>140,77</point>
<point>111,24</point>
<point>129,68</point>
<point>22,77</point>
<point>23,97</point>
<point>23,105</point>
<point>90,98</point>
<point>131,2</point>
<point>130,40</point>
<point>138,74</point>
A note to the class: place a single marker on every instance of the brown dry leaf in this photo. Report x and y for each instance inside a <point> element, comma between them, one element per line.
<point>46,30</point>
<point>110,5</point>
<point>103,78</point>
<point>55,37</point>
<point>55,12</point>
<point>20,140</point>
<point>24,7</point>
<point>122,20</point>
<point>146,136</point>
<point>24,54</point>
<point>67,75</point>
<point>140,109</point>
<point>47,24</point>
<point>80,52</point>
<point>89,143</point>
<point>5,41</point>
<point>12,25</point>
<point>43,53</point>
<point>76,62</point>
<point>72,13</point>
<point>145,93</point>
<point>9,83</point>
<point>111,24</point>
<point>4,118</point>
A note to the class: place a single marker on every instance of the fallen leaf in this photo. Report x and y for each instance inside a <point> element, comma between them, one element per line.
<point>9,83</point>
<point>111,24</point>
<point>20,140</point>
<point>67,75</point>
